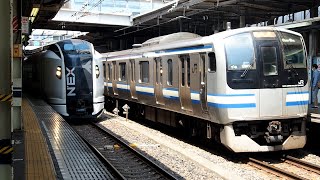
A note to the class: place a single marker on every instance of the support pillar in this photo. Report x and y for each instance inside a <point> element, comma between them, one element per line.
<point>16,70</point>
<point>5,84</point>
<point>242,21</point>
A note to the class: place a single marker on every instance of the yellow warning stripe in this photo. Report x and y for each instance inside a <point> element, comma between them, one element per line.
<point>4,97</point>
<point>3,149</point>
<point>9,150</point>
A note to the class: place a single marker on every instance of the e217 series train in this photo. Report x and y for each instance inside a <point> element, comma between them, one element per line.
<point>67,74</point>
<point>246,88</point>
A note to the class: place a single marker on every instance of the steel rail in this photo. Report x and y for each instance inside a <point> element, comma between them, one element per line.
<point>140,155</point>
<point>102,158</point>
<point>306,165</point>
<point>274,170</point>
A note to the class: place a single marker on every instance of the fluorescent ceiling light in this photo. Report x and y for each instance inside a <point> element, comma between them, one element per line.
<point>34,12</point>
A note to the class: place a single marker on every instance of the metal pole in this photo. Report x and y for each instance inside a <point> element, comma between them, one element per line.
<point>5,79</point>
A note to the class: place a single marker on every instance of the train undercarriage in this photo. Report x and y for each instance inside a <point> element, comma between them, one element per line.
<point>240,136</point>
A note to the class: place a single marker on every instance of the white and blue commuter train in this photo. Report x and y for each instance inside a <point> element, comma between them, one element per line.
<point>67,74</point>
<point>246,88</point>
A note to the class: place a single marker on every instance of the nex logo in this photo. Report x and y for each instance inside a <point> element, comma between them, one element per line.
<point>71,82</point>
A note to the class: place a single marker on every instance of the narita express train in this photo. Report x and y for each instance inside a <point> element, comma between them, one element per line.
<point>67,75</point>
<point>246,88</point>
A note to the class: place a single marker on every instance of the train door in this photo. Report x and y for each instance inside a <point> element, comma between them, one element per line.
<point>114,78</point>
<point>133,79</point>
<point>109,78</point>
<point>158,80</point>
<point>203,83</point>
<point>269,59</point>
<point>184,83</point>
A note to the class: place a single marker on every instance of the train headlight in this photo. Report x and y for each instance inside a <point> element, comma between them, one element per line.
<point>97,71</point>
<point>58,72</point>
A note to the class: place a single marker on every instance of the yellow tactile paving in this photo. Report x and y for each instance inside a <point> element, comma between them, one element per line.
<point>37,158</point>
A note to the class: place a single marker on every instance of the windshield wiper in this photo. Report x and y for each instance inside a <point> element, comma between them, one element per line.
<point>245,72</point>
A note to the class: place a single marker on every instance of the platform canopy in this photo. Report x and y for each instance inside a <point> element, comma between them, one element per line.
<point>160,17</point>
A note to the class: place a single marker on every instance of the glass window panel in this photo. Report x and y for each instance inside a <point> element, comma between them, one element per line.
<point>269,58</point>
<point>293,50</point>
<point>240,56</point>
<point>170,78</point>
<point>144,71</point>
<point>122,72</point>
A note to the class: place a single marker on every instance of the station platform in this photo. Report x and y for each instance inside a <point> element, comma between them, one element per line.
<point>48,148</point>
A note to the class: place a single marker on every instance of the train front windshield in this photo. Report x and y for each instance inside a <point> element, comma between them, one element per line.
<point>265,59</point>
<point>78,62</point>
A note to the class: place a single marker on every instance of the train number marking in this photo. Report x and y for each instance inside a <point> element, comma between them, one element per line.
<point>71,82</point>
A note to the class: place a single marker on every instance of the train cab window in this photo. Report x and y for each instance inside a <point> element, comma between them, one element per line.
<point>122,71</point>
<point>144,72</point>
<point>212,62</point>
<point>269,58</point>
<point>240,56</point>
<point>55,49</point>
<point>293,51</point>
<point>170,73</point>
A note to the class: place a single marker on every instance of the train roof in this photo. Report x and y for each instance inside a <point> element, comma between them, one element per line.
<point>180,40</point>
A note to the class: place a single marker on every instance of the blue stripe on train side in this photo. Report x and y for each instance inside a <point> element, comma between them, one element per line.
<point>195,101</point>
<point>145,93</point>
<point>302,92</point>
<point>231,94</point>
<point>297,103</point>
<point>185,48</point>
<point>248,105</point>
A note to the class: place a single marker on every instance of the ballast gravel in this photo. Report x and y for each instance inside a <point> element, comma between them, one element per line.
<point>186,160</point>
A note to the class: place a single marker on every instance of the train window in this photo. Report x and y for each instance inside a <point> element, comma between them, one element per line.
<point>293,51</point>
<point>114,70</point>
<point>182,72</point>
<point>269,58</point>
<point>104,71</point>
<point>122,70</point>
<point>240,56</point>
<point>212,62</point>
<point>54,48</point>
<point>161,71</point>
<point>132,70</point>
<point>203,69</point>
<point>109,71</point>
<point>188,71</point>
<point>170,74</point>
<point>157,70</point>
<point>144,71</point>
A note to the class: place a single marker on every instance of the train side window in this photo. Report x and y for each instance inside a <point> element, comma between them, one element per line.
<point>109,71</point>
<point>54,48</point>
<point>170,74</point>
<point>212,62</point>
<point>132,70</point>
<point>144,71</point>
<point>104,71</point>
<point>122,70</point>
<point>114,70</point>
<point>188,71</point>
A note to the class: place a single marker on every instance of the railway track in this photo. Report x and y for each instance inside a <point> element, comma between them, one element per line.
<point>127,162</point>
<point>288,168</point>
